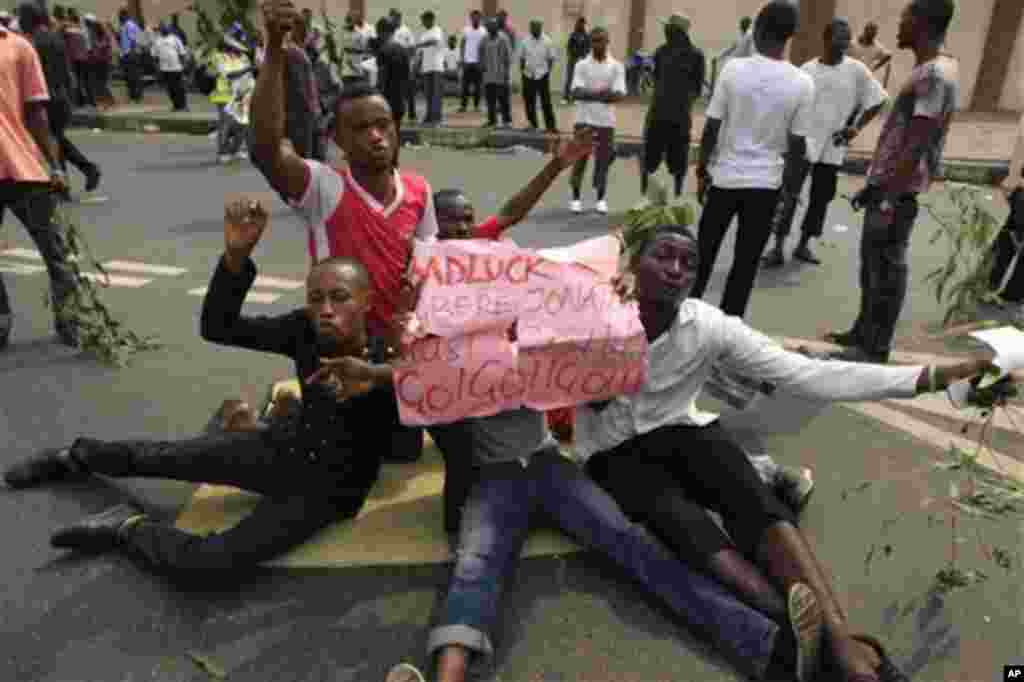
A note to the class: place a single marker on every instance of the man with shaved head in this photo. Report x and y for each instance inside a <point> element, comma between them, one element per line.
<point>312,470</point>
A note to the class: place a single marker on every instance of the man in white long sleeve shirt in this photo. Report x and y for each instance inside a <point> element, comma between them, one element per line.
<point>664,460</point>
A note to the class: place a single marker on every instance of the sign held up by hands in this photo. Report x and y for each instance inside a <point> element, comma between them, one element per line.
<point>508,327</point>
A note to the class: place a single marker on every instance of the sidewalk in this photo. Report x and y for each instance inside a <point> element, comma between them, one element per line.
<point>977,149</point>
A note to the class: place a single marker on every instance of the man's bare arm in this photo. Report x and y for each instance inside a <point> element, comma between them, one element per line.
<point>284,169</point>
<point>517,208</point>
<point>38,124</point>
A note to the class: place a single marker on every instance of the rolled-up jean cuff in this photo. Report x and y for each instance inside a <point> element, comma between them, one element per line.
<point>465,636</point>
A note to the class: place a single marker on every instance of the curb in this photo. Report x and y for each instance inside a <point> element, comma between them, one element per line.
<point>954,170</point>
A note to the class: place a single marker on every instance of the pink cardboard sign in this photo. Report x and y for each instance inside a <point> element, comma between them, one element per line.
<point>559,337</point>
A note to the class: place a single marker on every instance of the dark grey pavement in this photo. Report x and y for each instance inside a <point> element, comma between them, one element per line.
<point>566,618</point>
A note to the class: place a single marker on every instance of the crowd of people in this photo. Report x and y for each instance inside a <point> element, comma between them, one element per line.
<point>653,463</point>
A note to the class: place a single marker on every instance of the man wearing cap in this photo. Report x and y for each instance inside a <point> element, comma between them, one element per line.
<point>678,80</point>
<point>29,171</point>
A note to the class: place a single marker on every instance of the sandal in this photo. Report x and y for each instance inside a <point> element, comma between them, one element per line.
<point>887,671</point>
<point>404,672</point>
<point>808,623</point>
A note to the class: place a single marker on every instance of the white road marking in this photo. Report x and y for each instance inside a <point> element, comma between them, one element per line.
<point>251,297</point>
<point>29,254</point>
<point>116,280</point>
<point>278,283</point>
<point>146,268</point>
<point>21,269</point>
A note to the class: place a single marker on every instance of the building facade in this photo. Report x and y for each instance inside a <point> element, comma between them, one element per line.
<point>987,36</point>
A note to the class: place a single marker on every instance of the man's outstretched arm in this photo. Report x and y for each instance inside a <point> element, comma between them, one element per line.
<point>520,205</point>
<point>284,169</point>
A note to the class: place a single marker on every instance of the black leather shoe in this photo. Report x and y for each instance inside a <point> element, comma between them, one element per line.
<point>775,259</point>
<point>806,255</point>
<point>67,333</point>
<point>97,533</point>
<point>49,466</point>
<point>92,179</point>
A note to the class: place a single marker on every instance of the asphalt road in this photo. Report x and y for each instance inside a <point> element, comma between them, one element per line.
<point>566,618</point>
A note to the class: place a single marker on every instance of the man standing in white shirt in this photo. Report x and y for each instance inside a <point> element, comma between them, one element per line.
<point>847,97</point>
<point>169,53</point>
<point>753,145</point>
<point>472,72</point>
<point>431,43</point>
<point>537,55</point>
<point>597,83</point>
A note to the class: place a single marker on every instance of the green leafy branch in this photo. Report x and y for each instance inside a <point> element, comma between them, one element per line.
<point>99,333</point>
<point>641,222</point>
<point>969,229</point>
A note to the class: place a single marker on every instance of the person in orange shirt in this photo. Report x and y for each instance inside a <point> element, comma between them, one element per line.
<point>30,172</point>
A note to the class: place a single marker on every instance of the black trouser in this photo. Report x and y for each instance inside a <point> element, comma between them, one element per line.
<point>174,81</point>
<point>33,204</point>
<point>85,95</point>
<point>569,71</point>
<point>410,96</point>
<point>884,272</point>
<point>604,156</point>
<point>472,79</point>
<point>667,141</point>
<point>59,114</point>
<point>824,182</point>
<point>131,65</point>
<point>99,74</point>
<point>1006,248</point>
<point>669,477</point>
<point>752,207</point>
<point>532,88</point>
<point>298,497</point>
<point>498,102</point>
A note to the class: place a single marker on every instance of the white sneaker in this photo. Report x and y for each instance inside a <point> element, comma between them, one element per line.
<point>601,207</point>
<point>576,206</point>
<point>224,158</point>
<point>242,155</point>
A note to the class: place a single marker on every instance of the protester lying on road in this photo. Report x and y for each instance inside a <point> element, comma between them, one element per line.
<point>312,470</point>
<point>665,460</point>
<point>519,474</point>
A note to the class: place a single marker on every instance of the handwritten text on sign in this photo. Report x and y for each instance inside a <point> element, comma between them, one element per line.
<point>510,327</point>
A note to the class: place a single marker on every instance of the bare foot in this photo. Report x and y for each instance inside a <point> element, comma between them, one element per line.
<point>856,658</point>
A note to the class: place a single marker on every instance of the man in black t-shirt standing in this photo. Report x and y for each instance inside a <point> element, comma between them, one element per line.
<point>56,67</point>
<point>679,78</point>
<point>577,49</point>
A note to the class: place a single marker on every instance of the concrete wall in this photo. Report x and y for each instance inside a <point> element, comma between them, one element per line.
<point>966,38</point>
<point>1013,90</point>
<point>715,25</point>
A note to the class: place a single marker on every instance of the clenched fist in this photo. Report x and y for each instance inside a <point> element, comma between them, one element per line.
<point>244,223</point>
<point>279,16</point>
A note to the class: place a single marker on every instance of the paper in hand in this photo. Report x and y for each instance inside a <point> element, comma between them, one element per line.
<point>1008,345</point>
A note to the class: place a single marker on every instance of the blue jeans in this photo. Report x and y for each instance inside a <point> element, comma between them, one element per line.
<point>495,523</point>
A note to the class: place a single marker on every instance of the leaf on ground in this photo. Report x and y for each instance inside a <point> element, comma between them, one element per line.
<point>208,665</point>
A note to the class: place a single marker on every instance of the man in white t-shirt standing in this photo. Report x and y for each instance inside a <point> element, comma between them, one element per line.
<point>847,97</point>
<point>753,145</point>
<point>431,44</point>
<point>472,71</point>
<point>597,83</point>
